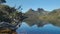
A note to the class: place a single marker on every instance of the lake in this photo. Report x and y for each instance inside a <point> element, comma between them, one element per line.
<point>46,29</point>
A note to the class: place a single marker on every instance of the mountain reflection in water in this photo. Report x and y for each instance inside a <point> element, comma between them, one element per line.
<point>46,29</point>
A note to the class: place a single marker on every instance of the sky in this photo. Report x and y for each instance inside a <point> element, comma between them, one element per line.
<point>48,5</point>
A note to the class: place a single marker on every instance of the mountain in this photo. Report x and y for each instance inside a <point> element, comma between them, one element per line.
<point>53,17</point>
<point>33,16</point>
<point>41,17</point>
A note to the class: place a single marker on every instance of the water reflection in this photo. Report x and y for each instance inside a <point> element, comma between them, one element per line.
<point>46,29</point>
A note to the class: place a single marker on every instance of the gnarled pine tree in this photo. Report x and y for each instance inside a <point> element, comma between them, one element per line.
<point>10,18</point>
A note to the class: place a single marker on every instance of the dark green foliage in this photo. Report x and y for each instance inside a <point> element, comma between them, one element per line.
<point>2,1</point>
<point>10,17</point>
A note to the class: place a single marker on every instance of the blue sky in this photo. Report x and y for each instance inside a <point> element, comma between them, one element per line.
<point>34,4</point>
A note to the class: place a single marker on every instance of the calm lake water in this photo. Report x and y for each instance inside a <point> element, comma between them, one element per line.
<point>46,29</point>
